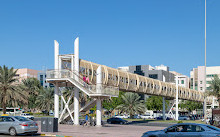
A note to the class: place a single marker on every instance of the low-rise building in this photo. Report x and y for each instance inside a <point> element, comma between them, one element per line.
<point>25,73</point>
<point>197,79</point>
<point>41,76</point>
<point>158,72</point>
<point>183,80</point>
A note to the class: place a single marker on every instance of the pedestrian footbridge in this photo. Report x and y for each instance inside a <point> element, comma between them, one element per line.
<point>114,80</point>
<point>105,82</point>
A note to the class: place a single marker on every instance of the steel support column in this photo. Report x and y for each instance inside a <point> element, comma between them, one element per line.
<point>177,99</point>
<point>76,90</point>
<point>56,101</point>
<point>164,102</point>
<point>98,101</point>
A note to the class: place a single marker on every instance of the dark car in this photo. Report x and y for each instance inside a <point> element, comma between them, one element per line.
<point>116,121</point>
<point>185,130</point>
<point>161,118</point>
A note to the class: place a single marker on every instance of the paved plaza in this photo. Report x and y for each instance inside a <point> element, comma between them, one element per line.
<point>109,130</point>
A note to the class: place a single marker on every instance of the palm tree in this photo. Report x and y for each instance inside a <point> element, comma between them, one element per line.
<point>215,88</point>
<point>32,87</point>
<point>10,92</point>
<point>45,99</point>
<point>131,104</point>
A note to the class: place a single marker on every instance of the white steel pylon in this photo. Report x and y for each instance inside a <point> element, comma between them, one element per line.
<point>66,107</point>
<point>171,109</point>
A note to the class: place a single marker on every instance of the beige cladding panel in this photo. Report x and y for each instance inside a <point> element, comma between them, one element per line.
<point>142,84</point>
<point>169,90</point>
<point>173,88</point>
<point>187,94</point>
<point>157,87</point>
<point>112,77</point>
<point>123,80</point>
<point>150,86</point>
<point>163,88</point>
<point>133,82</point>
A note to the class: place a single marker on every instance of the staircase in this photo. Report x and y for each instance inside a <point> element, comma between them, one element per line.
<point>77,80</point>
<point>89,89</point>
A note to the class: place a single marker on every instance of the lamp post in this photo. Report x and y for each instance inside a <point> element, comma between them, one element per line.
<point>177,98</point>
<point>204,87</point>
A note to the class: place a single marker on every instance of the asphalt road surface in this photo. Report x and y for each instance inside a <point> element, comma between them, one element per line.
<point>21,135</point>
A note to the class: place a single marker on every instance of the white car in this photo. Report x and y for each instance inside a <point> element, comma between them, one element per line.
<point>146,116</point>
<point>122,116</point>
<point>27,115</point>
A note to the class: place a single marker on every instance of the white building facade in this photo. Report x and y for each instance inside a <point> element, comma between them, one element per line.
<point>197,79</point>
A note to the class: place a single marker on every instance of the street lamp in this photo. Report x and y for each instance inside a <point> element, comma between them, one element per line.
<point>204,87</point>
<point>177,98</point>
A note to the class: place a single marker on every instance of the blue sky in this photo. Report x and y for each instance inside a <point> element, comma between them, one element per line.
<point>112,32</point>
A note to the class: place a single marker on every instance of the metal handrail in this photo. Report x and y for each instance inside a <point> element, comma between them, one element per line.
<point>63,73</point>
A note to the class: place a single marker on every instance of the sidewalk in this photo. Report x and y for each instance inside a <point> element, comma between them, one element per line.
<point>110,130</point>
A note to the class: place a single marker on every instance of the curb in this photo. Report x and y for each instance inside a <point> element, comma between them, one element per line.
<point>51,135</point>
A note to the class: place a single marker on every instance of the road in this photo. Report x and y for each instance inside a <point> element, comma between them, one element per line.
<point>135,129</point>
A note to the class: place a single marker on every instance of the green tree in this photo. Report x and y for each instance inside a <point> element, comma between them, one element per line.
<point>32,87</point>
<point>113,102</point>
<point>131,104</point>
<point>10,92</point>
<point>45,99</point>
<point>155,103</point>
<point>215,88</point>
<point>190,105</point>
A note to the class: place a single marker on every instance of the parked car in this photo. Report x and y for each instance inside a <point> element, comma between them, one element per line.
<point>115,120</point>
<point>161,118</point>
<point>51,113</point>
<point>14,125</point>
<point>145,116</point>
<point>183,118</point>
<point>91,123</point>
<point>27,115</point>
<point>136,116</point>
<point>122,116</point>
<point>185,130</point>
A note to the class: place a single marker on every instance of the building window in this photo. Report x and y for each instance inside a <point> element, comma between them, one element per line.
<point>51,85</point>
<point>138,68</point>
<point>200,88</point>
<point>154,76</point>
<point>139,71</point>
<point>211,75</point>
<point>208,88</point>
<point>41,77</point>
<point>182,81</point>
<point>200,82</point>
<point>191,83</point>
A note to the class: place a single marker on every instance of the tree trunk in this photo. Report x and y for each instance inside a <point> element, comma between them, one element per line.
<point>4,105</point>
<point>218,102</point>
<point>131,116</point>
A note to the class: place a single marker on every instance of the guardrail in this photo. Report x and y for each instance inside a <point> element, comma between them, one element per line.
<point>67,74</point>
